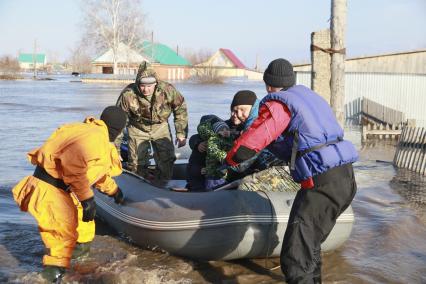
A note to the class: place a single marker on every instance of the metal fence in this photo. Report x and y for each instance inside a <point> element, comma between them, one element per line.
<point>402,92</point>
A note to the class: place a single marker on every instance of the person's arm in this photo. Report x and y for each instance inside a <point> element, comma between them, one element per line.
<point>123,103</point>
<point>273,119</point>
<point>106,184</point>
<point>180,114</point>
<point>194,141</point>
<point>215,150</point>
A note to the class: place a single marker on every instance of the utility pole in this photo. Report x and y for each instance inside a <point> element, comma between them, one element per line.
<point>152,46</point>
<point>35,60</point>
<point>338,28</point>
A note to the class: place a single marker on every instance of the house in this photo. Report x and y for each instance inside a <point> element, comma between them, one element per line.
<point>128,61</point>
<point>28,60</point>
<point>167,63</point>
<point>225,63</point>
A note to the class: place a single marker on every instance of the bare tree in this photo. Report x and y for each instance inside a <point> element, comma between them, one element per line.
<point>80,59</point>
<point>197,57</point>
<point>111,22</point>
<point>9,67</point>
<point>203,74</point>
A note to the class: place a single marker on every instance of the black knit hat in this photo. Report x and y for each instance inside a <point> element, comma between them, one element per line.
<point>279,74</point>
<point>244,97</point>
<point>115,118</point>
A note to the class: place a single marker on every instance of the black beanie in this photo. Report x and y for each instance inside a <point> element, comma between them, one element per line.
<point>279,74</point>
<point>115,118</point>
<point>244,97</point>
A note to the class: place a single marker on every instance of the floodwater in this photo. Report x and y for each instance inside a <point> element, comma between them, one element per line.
<point>387,244</point>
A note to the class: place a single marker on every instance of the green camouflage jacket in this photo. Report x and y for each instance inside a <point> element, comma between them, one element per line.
<point>217,148</point>
<point>143,113</point>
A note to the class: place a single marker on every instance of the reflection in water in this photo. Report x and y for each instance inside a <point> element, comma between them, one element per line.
<point>387,244</point>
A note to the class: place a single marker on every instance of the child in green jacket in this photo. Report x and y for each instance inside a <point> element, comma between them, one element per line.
<point>219,141</point>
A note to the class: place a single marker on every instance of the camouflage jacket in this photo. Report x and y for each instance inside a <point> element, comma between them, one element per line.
<point>217,148</point>
<point>143,113</point>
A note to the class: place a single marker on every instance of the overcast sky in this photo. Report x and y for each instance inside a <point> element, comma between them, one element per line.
<point>265,28</point>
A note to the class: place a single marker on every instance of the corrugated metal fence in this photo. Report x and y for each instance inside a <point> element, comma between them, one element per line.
<point>402,92</point>
<point>411,150</point>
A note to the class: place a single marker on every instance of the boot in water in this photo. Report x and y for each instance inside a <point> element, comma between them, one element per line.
<point>81,250</point>
<point>53,274</point>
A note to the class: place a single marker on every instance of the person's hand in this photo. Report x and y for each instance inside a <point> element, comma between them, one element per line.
<point>89,209</point>
<point>223,168</point>
<point>118,196</point>
<point>180,142</point>
<point>203,171</point>
<point>225,133</point>
<point>202,147</point>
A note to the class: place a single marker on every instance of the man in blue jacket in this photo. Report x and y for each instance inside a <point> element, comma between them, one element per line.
<point>299,127</point>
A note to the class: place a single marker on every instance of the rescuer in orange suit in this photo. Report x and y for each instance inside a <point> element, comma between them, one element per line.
<point>59,195</point>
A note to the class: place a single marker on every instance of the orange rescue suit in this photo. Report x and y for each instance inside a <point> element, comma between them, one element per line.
<point>81,155</point>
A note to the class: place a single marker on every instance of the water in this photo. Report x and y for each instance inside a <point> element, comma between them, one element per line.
<point>387,244</point>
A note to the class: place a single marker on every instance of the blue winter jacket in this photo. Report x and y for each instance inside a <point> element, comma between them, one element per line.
<point>313,141</point>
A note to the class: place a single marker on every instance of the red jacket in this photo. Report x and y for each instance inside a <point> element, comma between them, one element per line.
<point>272,121</point>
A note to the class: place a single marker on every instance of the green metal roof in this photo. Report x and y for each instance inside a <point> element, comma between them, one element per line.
<point>28,58</point>
<point>162,54</point>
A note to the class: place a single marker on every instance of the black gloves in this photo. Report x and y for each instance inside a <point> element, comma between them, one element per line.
<point>89,209</point>
<point>118,196</point>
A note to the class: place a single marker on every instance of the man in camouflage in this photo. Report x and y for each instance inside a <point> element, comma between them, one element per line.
<point>149,103</point>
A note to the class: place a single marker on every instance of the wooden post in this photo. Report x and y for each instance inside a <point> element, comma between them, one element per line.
<point>321,63</point>
<point>338,27</point>
<point>364,133</point>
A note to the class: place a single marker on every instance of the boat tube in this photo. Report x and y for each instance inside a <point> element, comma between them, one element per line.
<point>217,225</point>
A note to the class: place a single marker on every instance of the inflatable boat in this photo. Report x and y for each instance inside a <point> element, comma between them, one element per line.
<point>217,225</point>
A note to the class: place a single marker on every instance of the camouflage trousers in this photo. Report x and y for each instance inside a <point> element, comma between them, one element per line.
<point>140,143</point>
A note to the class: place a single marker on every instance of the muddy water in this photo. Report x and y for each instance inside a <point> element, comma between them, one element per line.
<point>387,245</point>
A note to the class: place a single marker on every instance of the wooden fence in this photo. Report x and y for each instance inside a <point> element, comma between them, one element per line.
<point>381,131</point>
<point>381,113</point>
<point>380,121</point>
<point>411,150</point>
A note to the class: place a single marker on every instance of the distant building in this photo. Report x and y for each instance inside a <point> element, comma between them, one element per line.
<point>27,61</point>
<point>409,62</point>
<point>128,61</point>
<point>227,64</point>
<point>166,62</point>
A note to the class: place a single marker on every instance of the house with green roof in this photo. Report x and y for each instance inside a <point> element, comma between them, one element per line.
<point>162,54</point>
<point>27,61</point>
<point>166,62</point>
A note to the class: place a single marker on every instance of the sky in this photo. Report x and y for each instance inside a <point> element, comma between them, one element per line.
<point>253,30</point>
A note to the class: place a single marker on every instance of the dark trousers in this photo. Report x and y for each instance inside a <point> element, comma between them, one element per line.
<point>195,180</point>
<point>312,217</point>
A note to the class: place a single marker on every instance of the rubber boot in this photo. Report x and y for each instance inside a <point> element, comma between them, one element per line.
<point>81,250</point>
<point>53,274</point>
